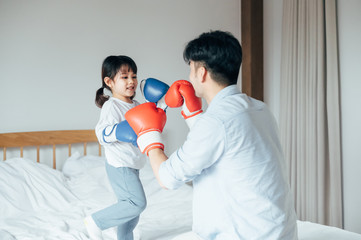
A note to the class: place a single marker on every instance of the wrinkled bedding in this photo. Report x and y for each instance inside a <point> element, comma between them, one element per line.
<point>38,202</point>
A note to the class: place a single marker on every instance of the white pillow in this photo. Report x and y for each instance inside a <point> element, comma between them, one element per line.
<point>77,164</point>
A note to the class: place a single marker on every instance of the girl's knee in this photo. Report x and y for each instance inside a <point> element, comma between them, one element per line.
<point>142,205</point>
<point>139,205</point>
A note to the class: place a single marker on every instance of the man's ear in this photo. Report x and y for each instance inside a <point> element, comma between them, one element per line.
<point>108,81</point>
<point>202,71</point>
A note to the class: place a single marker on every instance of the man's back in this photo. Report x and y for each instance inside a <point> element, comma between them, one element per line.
<point>243,193</point>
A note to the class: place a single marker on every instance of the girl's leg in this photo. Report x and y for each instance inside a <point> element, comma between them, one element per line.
<point>125,231</point>
<point>131,198</point>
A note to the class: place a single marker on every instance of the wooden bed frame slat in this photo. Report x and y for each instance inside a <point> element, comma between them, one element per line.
<point>47,138</point>
<point>38,153</point>
<point>22,139</point>
<point>54,156</point>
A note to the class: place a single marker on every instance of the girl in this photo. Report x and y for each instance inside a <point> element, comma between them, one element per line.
<point>124,159</point>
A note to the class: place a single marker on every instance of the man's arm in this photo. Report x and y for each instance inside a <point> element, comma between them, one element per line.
<point>157,157</point>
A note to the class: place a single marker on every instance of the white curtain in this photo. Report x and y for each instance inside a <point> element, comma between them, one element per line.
<point>309,111</point>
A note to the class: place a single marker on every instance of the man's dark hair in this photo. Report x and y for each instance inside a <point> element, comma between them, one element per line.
<point>219,52</point>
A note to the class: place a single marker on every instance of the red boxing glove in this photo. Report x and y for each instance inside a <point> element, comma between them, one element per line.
<point>147,122</point>
<point>182,93</point>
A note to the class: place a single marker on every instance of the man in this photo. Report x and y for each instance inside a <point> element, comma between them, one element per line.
<point>232,152</point>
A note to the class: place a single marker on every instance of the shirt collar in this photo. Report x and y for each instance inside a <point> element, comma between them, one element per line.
<point>227,91</point>
<point>123,102</point>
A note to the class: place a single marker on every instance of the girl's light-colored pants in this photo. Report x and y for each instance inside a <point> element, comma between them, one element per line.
<point>131,202</point>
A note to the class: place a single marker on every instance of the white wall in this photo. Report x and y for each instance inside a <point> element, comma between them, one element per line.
<point>51,54</point>
<point>349,19</point>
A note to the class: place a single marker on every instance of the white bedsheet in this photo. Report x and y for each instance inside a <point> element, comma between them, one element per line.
<point>37,202</point>
<point>314,231</point>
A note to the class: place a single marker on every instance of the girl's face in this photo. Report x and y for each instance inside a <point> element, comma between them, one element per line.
<point>124,84</point>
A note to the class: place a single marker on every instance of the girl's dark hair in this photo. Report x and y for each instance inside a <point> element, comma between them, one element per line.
<point>219,52</point>
<point>110,67</point>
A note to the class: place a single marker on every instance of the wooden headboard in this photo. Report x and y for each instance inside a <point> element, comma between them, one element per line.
<point>50,138</point>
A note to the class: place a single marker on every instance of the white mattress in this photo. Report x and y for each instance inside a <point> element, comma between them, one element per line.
<point>38,202</point>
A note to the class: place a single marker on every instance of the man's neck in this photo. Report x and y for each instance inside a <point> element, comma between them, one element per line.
<point>212,91</point>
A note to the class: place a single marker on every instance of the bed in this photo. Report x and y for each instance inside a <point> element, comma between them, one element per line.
<point>43,196</point>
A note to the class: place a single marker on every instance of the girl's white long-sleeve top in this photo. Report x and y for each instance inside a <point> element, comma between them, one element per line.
<point>118,154</point>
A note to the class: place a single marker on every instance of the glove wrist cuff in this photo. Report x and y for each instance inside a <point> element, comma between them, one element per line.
<point>190,115</point>
<point>149,140</point>
<point>109,134</point>
<point>161,103</point>
<point>191,119</point>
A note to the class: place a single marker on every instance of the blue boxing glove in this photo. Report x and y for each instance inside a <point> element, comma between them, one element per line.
<point>154,91</point>
<point>120,132</point>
